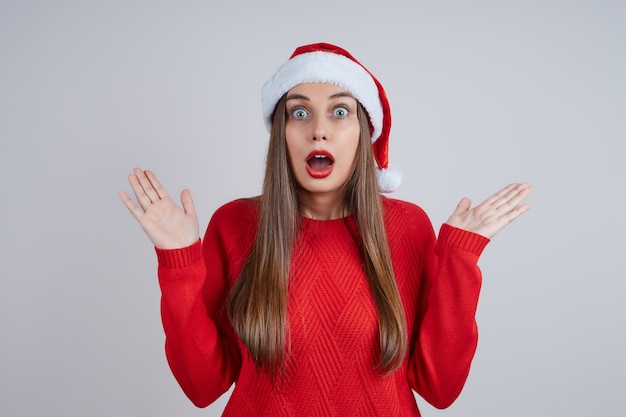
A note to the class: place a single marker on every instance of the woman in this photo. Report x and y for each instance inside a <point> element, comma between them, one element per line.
<point>321,297</point>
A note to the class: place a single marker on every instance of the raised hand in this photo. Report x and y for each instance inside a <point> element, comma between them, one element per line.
<point>493,214</point>
<point>167,225</point>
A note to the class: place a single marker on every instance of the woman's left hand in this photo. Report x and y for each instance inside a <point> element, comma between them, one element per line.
<point>493,214</point>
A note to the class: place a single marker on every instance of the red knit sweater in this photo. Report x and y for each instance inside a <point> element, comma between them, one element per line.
<point>330,370</point>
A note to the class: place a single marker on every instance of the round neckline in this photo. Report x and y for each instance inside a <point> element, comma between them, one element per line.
<point>305,218</point>
<point>331,225</point>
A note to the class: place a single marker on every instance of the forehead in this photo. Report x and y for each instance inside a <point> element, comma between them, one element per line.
<point>319,90</point>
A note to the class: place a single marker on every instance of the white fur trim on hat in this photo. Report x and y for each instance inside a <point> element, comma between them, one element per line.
<point>389,180</point>
<point>324,67</point>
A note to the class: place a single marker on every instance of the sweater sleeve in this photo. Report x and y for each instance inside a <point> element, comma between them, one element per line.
<point>199,343</point>
<point>446,334</point>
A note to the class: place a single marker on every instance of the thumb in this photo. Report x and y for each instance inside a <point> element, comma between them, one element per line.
<point>463,206</point>
<point>187,202</point>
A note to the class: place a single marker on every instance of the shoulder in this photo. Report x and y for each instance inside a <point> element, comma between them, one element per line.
<point>407,224</point>
<point>235,217</point>
<point>403,211</point>
<point>239,209</point>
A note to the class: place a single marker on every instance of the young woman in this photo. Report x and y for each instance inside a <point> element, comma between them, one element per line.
<point>321,297</point>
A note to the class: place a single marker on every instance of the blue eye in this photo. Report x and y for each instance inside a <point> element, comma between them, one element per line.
<point>340,112</point>
<point>299,113</point>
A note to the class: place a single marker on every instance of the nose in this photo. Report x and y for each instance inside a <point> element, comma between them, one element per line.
<point>320,128</point>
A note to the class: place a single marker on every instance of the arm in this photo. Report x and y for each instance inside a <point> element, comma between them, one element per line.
<point>200,357</point>
<point>447,335</point>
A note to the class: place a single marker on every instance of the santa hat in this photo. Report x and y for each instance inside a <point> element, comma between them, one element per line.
<point>325,63</point>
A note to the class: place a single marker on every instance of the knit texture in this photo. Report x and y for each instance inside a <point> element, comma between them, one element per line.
<point>333,326</point>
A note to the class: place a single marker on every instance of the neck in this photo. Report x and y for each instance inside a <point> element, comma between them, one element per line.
<point>323,206</point>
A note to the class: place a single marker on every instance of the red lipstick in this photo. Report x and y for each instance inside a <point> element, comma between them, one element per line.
<point>319,164</point>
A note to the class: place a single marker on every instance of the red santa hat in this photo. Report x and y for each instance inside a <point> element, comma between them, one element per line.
<point>326,63</point>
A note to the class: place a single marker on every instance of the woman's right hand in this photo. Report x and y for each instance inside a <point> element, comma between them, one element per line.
<point>167,225</point>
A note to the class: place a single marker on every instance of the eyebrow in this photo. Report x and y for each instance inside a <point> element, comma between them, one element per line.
<point>297,97</point>
<point>303,97</point>
<point>342,94</point>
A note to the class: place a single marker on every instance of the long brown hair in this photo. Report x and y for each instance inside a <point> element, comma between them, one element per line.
<point>257,304</point>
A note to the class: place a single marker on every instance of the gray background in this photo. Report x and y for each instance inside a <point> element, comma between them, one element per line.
<point>483,93</point>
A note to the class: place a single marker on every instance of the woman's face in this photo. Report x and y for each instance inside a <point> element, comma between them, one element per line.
<point>322,133</point>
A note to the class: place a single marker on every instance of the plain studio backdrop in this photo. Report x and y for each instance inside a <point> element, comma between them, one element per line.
<point>482,93</point>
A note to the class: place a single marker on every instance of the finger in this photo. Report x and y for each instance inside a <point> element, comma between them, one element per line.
<point>146,185</point>
<point>513,198</point>
<point>140,194</point>
<point>491,200</point>
<point>514,208</point>
<point>463,206</point>
<point>511,215</point>
<point>158,188</point>
<point>130,205</point>
<point>503,195</point>
<point>187,202</point>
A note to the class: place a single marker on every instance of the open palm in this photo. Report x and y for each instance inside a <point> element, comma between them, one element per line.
<point>493,214</point>
<point>166,224</point>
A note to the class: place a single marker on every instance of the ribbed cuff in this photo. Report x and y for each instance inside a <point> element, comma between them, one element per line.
<point>462,239</point>
<point>179,258</point>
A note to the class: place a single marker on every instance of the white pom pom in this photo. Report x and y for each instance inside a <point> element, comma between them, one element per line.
<point>389,180</point>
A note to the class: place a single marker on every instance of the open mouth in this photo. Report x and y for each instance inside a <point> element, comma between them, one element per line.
<point>319,164</point>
